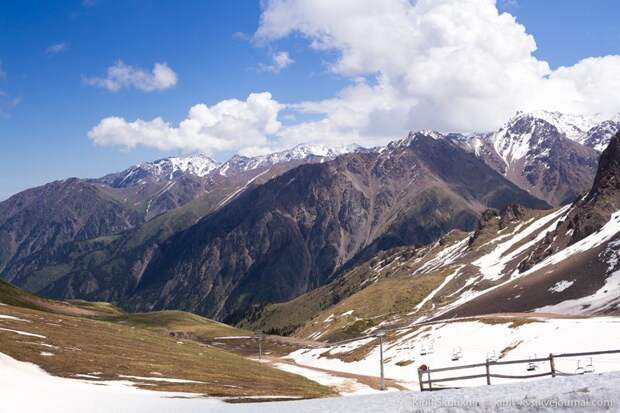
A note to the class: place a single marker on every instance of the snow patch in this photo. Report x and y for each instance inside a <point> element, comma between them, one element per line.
<point>22,333</point>
<point>561,286</point>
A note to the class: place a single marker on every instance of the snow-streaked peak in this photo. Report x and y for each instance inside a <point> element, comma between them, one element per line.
<point>198,165</point>
<point>411,136</point>
<point>299,152</point>
<point>525,131</point>
<point>599,136</point>
<point>572,126</point>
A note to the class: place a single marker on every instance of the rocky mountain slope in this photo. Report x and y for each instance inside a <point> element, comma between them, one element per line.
<point>551,155</point>
<point>44,229</point>
<point>517,259</point>
<point>295,232</point>
<point>46,217</point>
<point>538,157</point>
<point>134,236</point>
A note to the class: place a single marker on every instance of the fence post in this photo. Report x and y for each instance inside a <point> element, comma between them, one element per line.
<point>552,363</point>
<point>488,373</point>
<point>430,383</point>
<point>420,378</point>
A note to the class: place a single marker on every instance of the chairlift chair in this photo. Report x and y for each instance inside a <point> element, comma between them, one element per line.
<point>532,366</point>
<point>492,356</point>
<point>457,353</point>
<point>423,350</point>
<point>431,348</point>
<point>579,369</point>
<point>589,368</point>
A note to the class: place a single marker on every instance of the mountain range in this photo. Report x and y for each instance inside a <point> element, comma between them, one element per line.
<point>517,260</point>
<point>226,239</point>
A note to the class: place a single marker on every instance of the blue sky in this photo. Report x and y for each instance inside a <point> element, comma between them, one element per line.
<point>47,108</point>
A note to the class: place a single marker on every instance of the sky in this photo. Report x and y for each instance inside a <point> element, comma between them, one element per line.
<point>89,87</point>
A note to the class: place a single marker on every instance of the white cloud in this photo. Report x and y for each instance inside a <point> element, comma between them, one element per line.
<point>456,65</point>
<point>450,65</point>
<point>280,61</point>
<point>121,75</point>
<point>241,36</point>
<point>56,48</point>
<point>230,125</point>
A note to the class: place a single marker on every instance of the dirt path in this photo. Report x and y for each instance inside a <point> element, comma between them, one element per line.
<point>370,381</point>
<point>276,348</point>
<point>302,342</point>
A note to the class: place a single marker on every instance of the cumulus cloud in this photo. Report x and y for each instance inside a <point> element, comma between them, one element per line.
<point>230,125</point>
<point>56,48</point>
<point>457,65</point>
<point>449,65</point>
<point>279,61</point>
<point>121,75</point>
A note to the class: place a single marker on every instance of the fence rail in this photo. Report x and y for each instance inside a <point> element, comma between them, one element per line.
<point>426,383</point>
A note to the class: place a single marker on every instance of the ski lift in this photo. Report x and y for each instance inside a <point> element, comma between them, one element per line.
<point>492,356</point>
<point>579,369</point>
<point>457,353</point>
<point>532,366</point>
<point>431,348</point>
<point>589,368</point>
<point>423,351</point>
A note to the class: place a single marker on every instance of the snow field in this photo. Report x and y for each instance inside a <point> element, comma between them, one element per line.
<point>477,341</point>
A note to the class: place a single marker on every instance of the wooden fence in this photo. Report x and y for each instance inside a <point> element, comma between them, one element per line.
<point>427,382</point>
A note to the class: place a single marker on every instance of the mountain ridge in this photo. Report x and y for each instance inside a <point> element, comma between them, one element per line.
<point>308,222</point>
<point>517,260</point>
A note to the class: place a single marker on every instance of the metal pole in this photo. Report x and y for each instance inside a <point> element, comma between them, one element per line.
<point>488,373</point>
<point>381,353</point>
<point>552,362</point>
<point>260,345</point>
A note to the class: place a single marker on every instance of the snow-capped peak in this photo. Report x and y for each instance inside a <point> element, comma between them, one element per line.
<point>513,140</point>
<point>299,152</point>
<point>411,136</point>
<point>574,127</point>
<point>198,165</point>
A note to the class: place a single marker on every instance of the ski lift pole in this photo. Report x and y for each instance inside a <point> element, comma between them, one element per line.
<point>260,337</point>
<point>381,334</point>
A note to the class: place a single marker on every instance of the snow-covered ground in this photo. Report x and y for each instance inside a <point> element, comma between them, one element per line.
<point>344,386</point>
<point>26,388</point>
<point>436,344</point>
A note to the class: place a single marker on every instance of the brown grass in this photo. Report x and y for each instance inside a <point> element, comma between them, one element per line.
<point>85,345</point>
<point>375,303</point>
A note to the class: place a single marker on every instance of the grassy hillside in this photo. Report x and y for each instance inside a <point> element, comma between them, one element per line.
<point>373,291</point>
<point>387,299</point>
<point>179,322</point>
<point>72,339</point>
<point>14,296</point>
